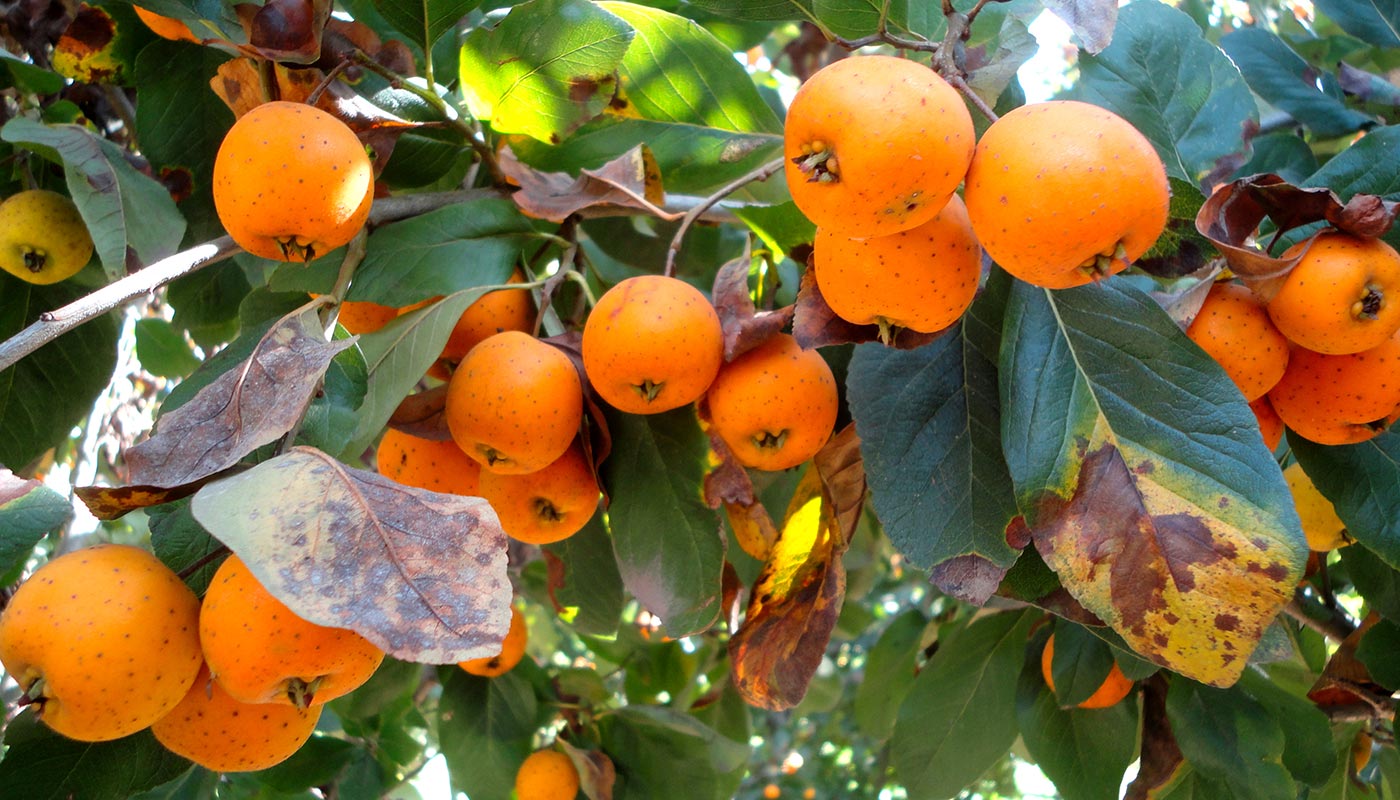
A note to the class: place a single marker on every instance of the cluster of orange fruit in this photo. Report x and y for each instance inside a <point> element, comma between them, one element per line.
<point>1322,355</point>
<point>876,147</point>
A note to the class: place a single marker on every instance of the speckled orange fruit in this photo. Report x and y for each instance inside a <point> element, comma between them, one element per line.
<point>427,464</point>
<point>496,312</point>
<point>1115,687</point>
<point>546,775</point>
<point>165,27</point>
<point>260,651</point>
<point>545,506</point>
<point>222,734</point>
<point>1340,399</point>
<point>652,344</point>
<point>104,640</point>
<point>512,650</point>
<point>362,316</point>
<point>292,182</point>
<point>1270,425</point>
<point>1063,193</point>
<point>514,404</point>
<point>1342,297</point>
<point>43,238</point>
<point>875,145</point>
<point>922,279</point>
<point>1234,329</point>
<point>775,405</point>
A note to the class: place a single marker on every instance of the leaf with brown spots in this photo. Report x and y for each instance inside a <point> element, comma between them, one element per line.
<point>243,409</point>
<point>814,324</point>
<point>113,502</point>
<point>420,574</point>
<point>744,326</point>
<point>631,181</point>
<point>1143,483</point>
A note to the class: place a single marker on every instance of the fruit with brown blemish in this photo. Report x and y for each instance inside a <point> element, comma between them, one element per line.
<point>1234,328</point>
<point>775,405</point>
<point>1114,688</point>
<point>514,404</point>
<point>438,466</point>
<point>545,506</point>
<point>512,650</point>
<point>922,279</point>
<point>1064,193</point>
<point>219,733</point>
<point>1323,528</point>
<point>1340,399</point>
<point>260,651</point>
<point>103,641</point>
<point>874,145</point>
<point>546,775</point>
<point>652,344</point>
<point>292,182</point>
<point>42,237</point>
<point>1342,297</point>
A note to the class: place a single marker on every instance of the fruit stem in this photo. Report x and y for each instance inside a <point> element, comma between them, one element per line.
<point>886,330</point>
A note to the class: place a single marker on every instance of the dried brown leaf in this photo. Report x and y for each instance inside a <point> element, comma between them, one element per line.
<point>1160,756</point>
<point>112,502</point>
<point>1091,21</point>
<point>630,181</point>
<point>596,439</point>
<point>842,470</point>
<point>729,485</point>
<point>970,578</point>
<point>423,414</point>
<point>744,326</point>
<point>420,574</point>
<point>596,773</point>
<point>13,487</point>
<point>814,324</point>
<point>1346,681</point>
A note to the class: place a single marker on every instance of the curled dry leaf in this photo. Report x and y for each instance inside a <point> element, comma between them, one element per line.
<point>1161,758</point>
<point>729,485</point>
<point>630,181</point>
<point>422,415</point>
<point>596,438</point>
<point>814,324</point>
<point>113,502</point>
<point>842,470</point>
<point>1183,300</point>
<point>744,326</point>
<point>420,574</point>
<point>596,773</point>
<point>241,410</point>
<point>970,578</point>
<point>1345,681</point>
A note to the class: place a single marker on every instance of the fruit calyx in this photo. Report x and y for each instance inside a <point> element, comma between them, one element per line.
<point>296,249</point>
<point>302,693</point>
<point>818,163</point>
<point>648,389</point>
<point>1370,304</point>
<point>35,260</point>
<point>768,440</point>
<point>546,510</point>
<point>1101,264</point>
<point>34,695</point>
<point>492,455</point>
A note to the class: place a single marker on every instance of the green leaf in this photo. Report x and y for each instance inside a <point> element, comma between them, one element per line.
<point>42,765</point>
<point>929,424</point>
<point>28,511</point>
<point>781,227</point>
<point>757,10</point>
<point>49,391</point>
<point>206,303</point>
<point>28,77</point>
<point>316,763</point>
<point>1136,462</point>
<point>1084,752</point>
<point>1303,725</point>
<point>1363,483</point>
<point>1371,165</point>
<point>676,71</point>
<point>889,674</point>
<point>121,207</point>
<point>960,717</point>
<point>390,687</point>
<point>423,21</point>
<point>331,419</point>
<point>669,546</point>
<point>485,726</point>
<point>1373,21</point>
<point>180,542</point>
<point>592,593</point>
<point>657,750</point>
<point>1227,736</point>
<point>162,350</point>
<point>1164,77</point>
<point>1380,652</point>
<point>1284,154</point>
<point>458,247</point>
<point>1378,582</point>
<point>1282,78</point>
<point>547,68</point>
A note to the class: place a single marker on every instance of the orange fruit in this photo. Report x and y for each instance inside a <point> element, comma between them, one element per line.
<point>547,775</point>
<point>103,640</point>
<point>1063,193</point>
<point>545,506</point>
<point>260,651</point>
<point>361,316</point>
<point>775,405</point>
<point>292,182</point>
<point>512,650</point>
<point>1342,297</point>
<point>43,238</point>
<point>222,734</point>
<point>1340,399</point>
<point>875,145</point>
<point>496,312</point>
<point>1234,329</point>
<point>922,279</point>
<point>514,404</point>
<point>1270,426</point>
<point>652,344</point>
<point>427,464</point>
<point>165,27</point>
<point>1323,528</point>
<point>1114,688</point>
<point>772,792</point>
<point>1360,751</point>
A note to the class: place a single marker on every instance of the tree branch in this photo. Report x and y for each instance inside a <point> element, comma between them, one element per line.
<point>762,173</point>
<point>1335,627</point>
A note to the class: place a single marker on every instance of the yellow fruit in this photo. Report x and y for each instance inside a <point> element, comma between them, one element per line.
<point>546,775</point>
<point>1324,529</point>
<point>104,640</point>
<point>42,237</point>
<point>222,734</point>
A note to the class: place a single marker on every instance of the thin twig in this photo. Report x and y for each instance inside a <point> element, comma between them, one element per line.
<point>315,96</point>
<point>762,173</point>
<point>957,82</point>
<point>203,560</point>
